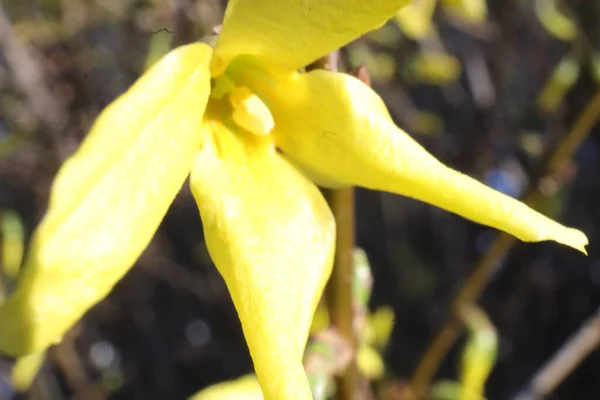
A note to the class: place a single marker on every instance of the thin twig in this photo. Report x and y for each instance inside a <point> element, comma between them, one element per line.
<point>30,80</point>
<point>184,26</point>
<point>472,289</point>
<point>65,356</point>
<point>339,288</point>
<point>577,348</point>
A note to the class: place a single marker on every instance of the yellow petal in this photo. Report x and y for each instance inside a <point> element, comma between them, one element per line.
<point>271,235</point>
<point>415,18</point>
<point>108,200</point>
<point>479,354</point>
<point>382,322</point>
<point>244,388</point>
<point>370,363</point>
<point>339,131</point>
<point>26,369</point>
<point>293,33</point>
<point>435,68</point>
<point>472,10</point>
<point>557,23</point>
<point>12,232</point>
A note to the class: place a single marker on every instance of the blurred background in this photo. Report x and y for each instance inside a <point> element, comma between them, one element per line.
<point>494,90</point>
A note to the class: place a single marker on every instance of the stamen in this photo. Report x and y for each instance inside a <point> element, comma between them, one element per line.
<point>249,111</point>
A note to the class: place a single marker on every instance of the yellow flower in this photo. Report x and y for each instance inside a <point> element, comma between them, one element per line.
<point>416,18</point>
<point>254,133</point>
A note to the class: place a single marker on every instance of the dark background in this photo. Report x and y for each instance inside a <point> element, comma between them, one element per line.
<point>169,328</point>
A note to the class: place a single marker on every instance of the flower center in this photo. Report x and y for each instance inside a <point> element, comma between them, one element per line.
<point>240,91</point>
<point>249,111</point>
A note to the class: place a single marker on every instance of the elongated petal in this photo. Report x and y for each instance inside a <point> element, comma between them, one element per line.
<point>271,235</point>
<point>338,130</point>
<point>108,200</point>
<point>293,33</point>
<point>244,388</point>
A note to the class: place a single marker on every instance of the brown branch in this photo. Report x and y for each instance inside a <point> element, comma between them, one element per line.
<point>66,358</point>
<point>184,25</point>
<point>29,78</point>
<point>339,288</point>
<point>472,289</point>
<point>577,348</point>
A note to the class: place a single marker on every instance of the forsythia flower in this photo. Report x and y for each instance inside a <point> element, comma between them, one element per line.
<point>415,19</point>
<point>254,133</point>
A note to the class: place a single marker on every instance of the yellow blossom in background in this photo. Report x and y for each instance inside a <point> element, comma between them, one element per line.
<point>563,78</point>
<point>373,339</point>
<point>436,68</point>
<point>13,243</point>
<point>474,11</point>
<point>479,354</point>
<point>416,18</point>
<point>255,134</point>
<point>556,22</point>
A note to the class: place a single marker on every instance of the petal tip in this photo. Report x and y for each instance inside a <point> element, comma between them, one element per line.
<point>574,238</point>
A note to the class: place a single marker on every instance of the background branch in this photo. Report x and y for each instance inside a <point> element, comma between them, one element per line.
<point>184,25</point>
<point>476,283</point>
<point>29,78</point>
<point>577,348</point>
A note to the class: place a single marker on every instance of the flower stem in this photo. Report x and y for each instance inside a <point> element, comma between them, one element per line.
<point>339,288</point>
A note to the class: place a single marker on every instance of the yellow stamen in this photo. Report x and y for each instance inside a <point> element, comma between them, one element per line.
<point>249,111</point>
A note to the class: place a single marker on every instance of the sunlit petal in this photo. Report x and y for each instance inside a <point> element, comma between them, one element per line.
<point>108,200</point>
<point>244,388</point>
<point>293,33</point>
<point>339,131</point>
<point>271,235</point>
